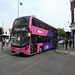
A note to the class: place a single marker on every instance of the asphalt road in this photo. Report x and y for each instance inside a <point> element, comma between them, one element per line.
<point>47,63</point>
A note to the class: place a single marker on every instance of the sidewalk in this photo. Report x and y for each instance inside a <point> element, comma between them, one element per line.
<point>69,51</point>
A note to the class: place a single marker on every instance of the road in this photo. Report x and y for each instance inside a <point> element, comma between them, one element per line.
<point>47,63</point>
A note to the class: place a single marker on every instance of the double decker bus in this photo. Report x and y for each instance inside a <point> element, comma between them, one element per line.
<point>31,36</point>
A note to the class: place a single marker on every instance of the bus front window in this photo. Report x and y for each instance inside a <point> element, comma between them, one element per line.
<point>19,36</point>
<point>20,39</point>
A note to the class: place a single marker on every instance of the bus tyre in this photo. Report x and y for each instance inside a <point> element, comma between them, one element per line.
<point>40,50</point>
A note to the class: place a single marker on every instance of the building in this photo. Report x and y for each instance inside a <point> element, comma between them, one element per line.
<point>72,26</point>
<point>6,33</point>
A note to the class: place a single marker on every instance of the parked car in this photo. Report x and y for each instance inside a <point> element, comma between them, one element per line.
<point>61,42</point>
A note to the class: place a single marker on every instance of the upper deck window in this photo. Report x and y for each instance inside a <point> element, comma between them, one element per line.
<point>40,24</point>
<point>21,24</point>
<point>20,21</point>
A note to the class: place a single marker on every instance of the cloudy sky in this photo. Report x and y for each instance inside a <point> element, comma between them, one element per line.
<point>54,12</point>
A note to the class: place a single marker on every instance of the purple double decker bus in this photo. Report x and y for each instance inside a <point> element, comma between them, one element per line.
<point>31,36</point>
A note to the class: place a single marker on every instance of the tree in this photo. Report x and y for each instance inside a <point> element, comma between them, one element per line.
<point>61,32</point>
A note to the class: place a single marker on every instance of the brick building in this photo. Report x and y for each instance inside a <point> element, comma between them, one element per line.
<point>72,26</point>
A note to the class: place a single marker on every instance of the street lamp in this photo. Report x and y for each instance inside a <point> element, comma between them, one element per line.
<point>19,3</point>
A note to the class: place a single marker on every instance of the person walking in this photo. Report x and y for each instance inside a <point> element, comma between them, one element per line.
<point>3,41</point>
<point>63,43</point>
<point>70,42</point>
<point>7,41</point>
<point>66,43</point>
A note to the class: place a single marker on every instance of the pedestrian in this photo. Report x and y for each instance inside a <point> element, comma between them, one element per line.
<point>3,41</point>
<point>70,42</point>
<point>66,43</point>
<point>7,41</point>
<point>63,43</point>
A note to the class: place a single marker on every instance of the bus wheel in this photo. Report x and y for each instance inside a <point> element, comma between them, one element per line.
<point>40,50</point>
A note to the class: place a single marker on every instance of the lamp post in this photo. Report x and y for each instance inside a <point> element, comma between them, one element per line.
<point>19,3</point>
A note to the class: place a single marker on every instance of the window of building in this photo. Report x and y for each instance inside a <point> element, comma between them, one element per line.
<point>6,32</point>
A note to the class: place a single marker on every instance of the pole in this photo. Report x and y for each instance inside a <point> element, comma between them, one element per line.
<point>2,40</point>
<point>19,3</point>
<point>18,8</point>
<point>2,25</point>
<point>1,45</point>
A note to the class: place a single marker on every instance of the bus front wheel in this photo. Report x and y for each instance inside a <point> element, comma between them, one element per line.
<point>40,50</point>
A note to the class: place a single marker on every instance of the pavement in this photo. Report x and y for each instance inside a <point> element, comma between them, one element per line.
<point>62,50</point>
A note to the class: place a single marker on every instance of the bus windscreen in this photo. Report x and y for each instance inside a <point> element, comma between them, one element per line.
<point>19,33</point>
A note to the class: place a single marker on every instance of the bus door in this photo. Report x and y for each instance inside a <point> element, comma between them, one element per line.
<point>33,44</point>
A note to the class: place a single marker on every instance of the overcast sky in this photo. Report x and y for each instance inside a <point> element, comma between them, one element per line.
<point>54,12</point>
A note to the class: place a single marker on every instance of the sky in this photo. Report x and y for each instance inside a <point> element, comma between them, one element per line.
<point>54,12</point>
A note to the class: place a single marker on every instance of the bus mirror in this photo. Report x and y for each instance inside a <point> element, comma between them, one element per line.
<point>28,34</point>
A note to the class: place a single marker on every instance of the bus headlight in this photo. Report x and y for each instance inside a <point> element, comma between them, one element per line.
<point>28,34</point>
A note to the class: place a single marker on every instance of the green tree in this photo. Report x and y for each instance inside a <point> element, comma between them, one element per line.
<point>61,32</point>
